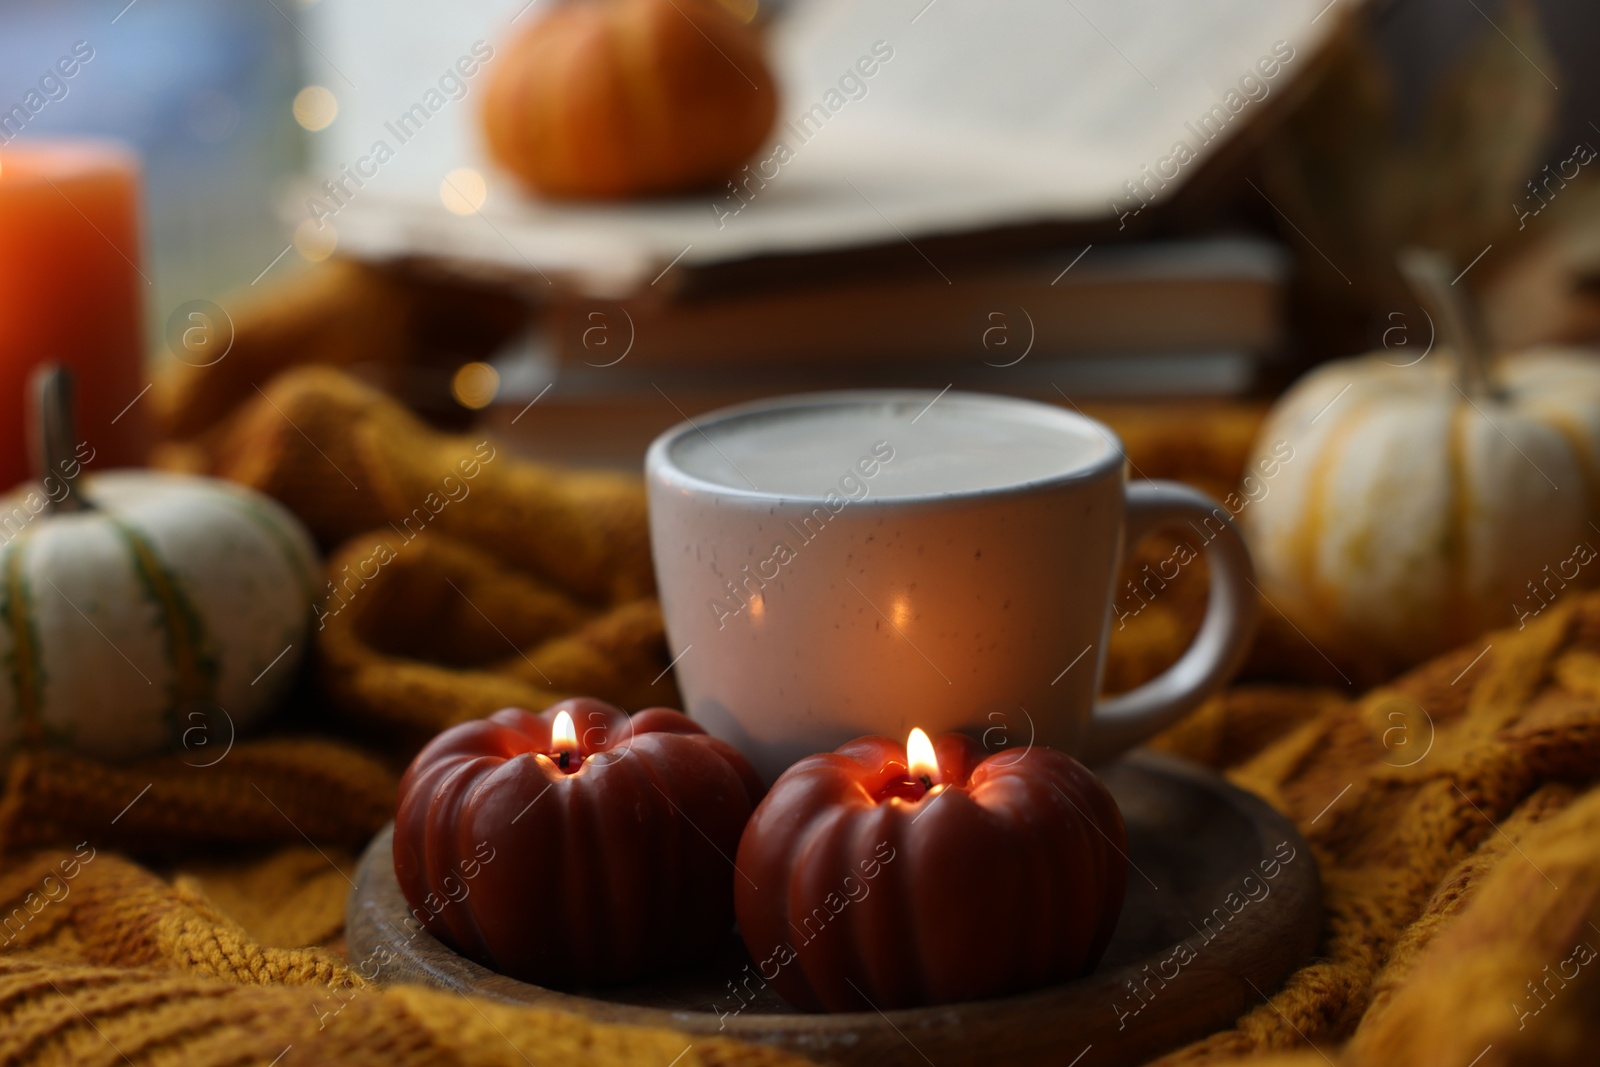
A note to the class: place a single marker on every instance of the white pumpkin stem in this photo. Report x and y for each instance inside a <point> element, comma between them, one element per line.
<point>1455,317</point>
<point>55,460</point>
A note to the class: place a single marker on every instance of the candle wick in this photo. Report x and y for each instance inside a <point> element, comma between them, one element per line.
<point>563,758</point>
<point>926,780</point>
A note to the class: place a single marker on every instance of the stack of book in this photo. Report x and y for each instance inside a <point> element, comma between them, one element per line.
<point>1154,320</point>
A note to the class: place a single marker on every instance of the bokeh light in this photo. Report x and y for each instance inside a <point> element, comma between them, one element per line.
<point>315,107</point>
<point>475,385</point>
<point>315,242</point>
<point>463,191</point>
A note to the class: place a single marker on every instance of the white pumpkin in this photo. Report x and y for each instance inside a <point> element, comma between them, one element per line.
<point>1413,514</point>
<point>124,628</point>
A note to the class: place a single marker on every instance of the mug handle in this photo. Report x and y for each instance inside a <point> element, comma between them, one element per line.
<point>1219,648</point>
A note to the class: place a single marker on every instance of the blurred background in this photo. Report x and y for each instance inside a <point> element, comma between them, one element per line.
<point>204,92</point>
<point>1403,121</point>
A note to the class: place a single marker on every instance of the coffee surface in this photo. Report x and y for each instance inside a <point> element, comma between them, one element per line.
<point>960,443</point>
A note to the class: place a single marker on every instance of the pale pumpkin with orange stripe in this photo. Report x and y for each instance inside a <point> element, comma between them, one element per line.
<point>170,614</point>
<point>1414,516</point>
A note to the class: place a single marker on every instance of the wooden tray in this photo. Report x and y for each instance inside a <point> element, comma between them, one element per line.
<point>1223,902</point>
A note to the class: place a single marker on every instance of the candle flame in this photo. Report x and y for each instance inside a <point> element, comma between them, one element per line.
<point>563,734</point>
<point>920,759</point>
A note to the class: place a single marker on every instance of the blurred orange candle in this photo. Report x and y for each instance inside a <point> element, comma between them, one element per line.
<point>71,290</point>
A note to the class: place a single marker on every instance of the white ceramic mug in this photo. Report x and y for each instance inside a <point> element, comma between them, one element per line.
<point>840,564</point>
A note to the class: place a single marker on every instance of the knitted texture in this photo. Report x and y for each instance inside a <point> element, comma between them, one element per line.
<point>112,964</point>
<point>1452,811</point>
<point>497,637</point>
<point>260,792</point>
<point>348,460</point>
<point>1452,814</point>
<point>1454,817</point>
<point>341,313</point>
<point>461,580</point>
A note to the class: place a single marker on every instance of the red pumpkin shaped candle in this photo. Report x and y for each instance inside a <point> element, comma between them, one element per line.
<point>881,876</point>
<point>577,847</point>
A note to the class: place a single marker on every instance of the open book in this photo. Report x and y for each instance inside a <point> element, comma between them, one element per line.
<point>903,124</point>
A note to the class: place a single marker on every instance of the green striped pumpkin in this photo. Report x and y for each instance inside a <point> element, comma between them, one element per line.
<point>126,626</point>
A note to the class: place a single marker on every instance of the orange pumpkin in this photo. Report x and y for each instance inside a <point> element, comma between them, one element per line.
<point>620,98</point>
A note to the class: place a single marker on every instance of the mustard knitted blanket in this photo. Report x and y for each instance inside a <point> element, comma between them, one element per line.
<point>1453,811</point>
